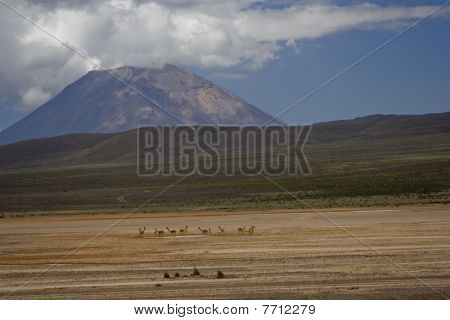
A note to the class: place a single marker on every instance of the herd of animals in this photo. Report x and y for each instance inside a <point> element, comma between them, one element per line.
<point>184,231</point>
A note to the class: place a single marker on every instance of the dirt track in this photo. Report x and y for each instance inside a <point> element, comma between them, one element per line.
<point>398,253</point>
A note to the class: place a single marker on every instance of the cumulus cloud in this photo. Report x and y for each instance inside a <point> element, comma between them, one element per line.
<point>206,33</point>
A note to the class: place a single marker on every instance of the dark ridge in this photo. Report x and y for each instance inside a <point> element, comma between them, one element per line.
<point>90,149</point>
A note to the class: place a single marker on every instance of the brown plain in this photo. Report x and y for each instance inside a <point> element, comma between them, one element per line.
<point>399,253</point>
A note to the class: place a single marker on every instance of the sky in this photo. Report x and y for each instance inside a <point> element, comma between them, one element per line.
<point>271,53</point>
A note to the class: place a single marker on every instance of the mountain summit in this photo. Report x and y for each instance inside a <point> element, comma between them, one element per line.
<point>127,97</point>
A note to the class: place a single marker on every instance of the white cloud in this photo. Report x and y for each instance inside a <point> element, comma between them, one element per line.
<point>314,21</point>
<point>34,96</point>
<point>204,33</point>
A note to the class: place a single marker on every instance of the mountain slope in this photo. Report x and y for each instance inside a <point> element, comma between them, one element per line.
<point>133,97</point>
<point>382,126</point>
<point>90,149</point>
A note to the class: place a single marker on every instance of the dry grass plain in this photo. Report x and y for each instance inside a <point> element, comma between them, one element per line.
<point>402,253</point>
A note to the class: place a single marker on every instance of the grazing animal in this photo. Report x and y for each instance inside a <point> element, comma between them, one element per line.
<point>141,232</point>
<point>241,230</point>
<point>183,231</point>
<point>203,231</point>
<point>251,230</point>
<point>159,233</point>
<point>222,230</point>
<point>172,232</point>
<point>209,231</point>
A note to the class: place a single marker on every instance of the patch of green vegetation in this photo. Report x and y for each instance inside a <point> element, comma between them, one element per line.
<point>351,173</point>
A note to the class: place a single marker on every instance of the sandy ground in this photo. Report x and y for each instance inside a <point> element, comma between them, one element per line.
<point>382,254</point>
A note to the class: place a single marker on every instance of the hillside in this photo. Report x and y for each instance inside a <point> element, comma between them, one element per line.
<point>84,149</point>
<point>370,161</point>
<point>382,126</point>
